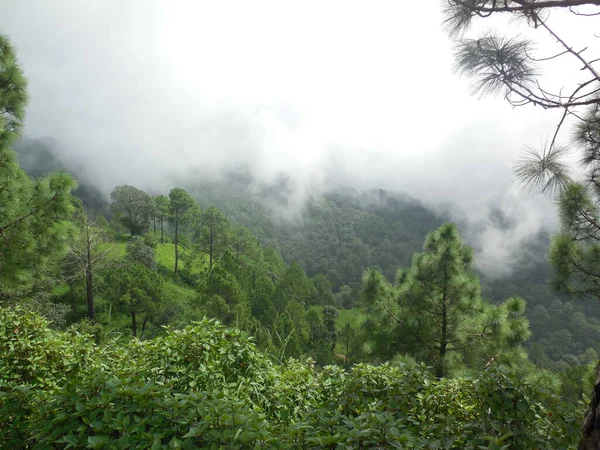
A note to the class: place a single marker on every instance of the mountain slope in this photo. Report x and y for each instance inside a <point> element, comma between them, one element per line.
<point>342,232</point>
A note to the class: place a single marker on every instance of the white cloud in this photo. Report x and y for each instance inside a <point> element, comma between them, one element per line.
<point>138,87</point>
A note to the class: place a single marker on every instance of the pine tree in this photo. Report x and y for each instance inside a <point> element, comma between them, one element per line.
<point>136,289</point>
<point>214,233</point>
<point>132,207</point>
<point>34,214</point>
<point>88,255</point>
<point>161,208</point>
<point>179,204</point>
<point>439,294</point>
<point>435,311</point>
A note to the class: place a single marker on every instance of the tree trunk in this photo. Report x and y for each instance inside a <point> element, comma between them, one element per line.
<point>89,288</point>
<point>441,369</point>
<point>228,301</point>
<point>591,423</point>
<point>89,277</point>
<point>176,241</point>
<point>144,325</point>
<point>133,324</point>
<point>154,220</point>
<point>210,249</point>
<point>347,350</point>
<point>162,230</point>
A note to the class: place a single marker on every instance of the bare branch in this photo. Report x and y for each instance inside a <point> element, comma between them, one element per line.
<point>519,6</point>
<point>548,58</point>
<point>569,49</point>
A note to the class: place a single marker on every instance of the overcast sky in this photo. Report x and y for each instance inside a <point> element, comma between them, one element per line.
<point>359,92</point>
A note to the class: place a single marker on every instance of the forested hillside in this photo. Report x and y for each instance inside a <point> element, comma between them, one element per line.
<point>338,233</point>
<point>342,232</point>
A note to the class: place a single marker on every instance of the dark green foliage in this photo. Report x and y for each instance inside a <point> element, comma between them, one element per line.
<point>151,239</point>
<point>338,234</point>
<point>33,213</point>
<point>575,253</point>
<point>132,207</point>
<point>392,228</point>
<point>324,295</point>
<point>38,298</point>
<point>179,203</point>
<point>213,233</point>
<point>135,289</point>
<point>139,252</point>
<point>329,316</point>
<point>346,297</point>
<point>222,289</point>
<point>351,344</point>
<point>161,209</point>
<point>435,312</point>
<point>42,303</point>
<point>322,334</point>
<point>560,325</point>
<point>14,94</point>
<point>294,285</point>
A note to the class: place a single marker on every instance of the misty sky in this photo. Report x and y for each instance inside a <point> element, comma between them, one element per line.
<point>360,93</point>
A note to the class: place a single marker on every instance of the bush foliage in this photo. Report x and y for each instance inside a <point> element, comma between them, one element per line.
<point>207,386</point>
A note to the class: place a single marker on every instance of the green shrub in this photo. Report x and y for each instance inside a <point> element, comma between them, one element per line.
<point>35,361</point>
<point>32,354</point>
<point>201,356</point>
<point>206,386</point>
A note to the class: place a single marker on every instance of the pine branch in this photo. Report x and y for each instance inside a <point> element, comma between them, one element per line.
<point>31,213</point>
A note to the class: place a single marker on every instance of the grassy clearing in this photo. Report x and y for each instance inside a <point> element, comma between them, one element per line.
<point>177,291</point>
<point>117,250</point>
<point>355,317</point>
<point>165,256</point>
